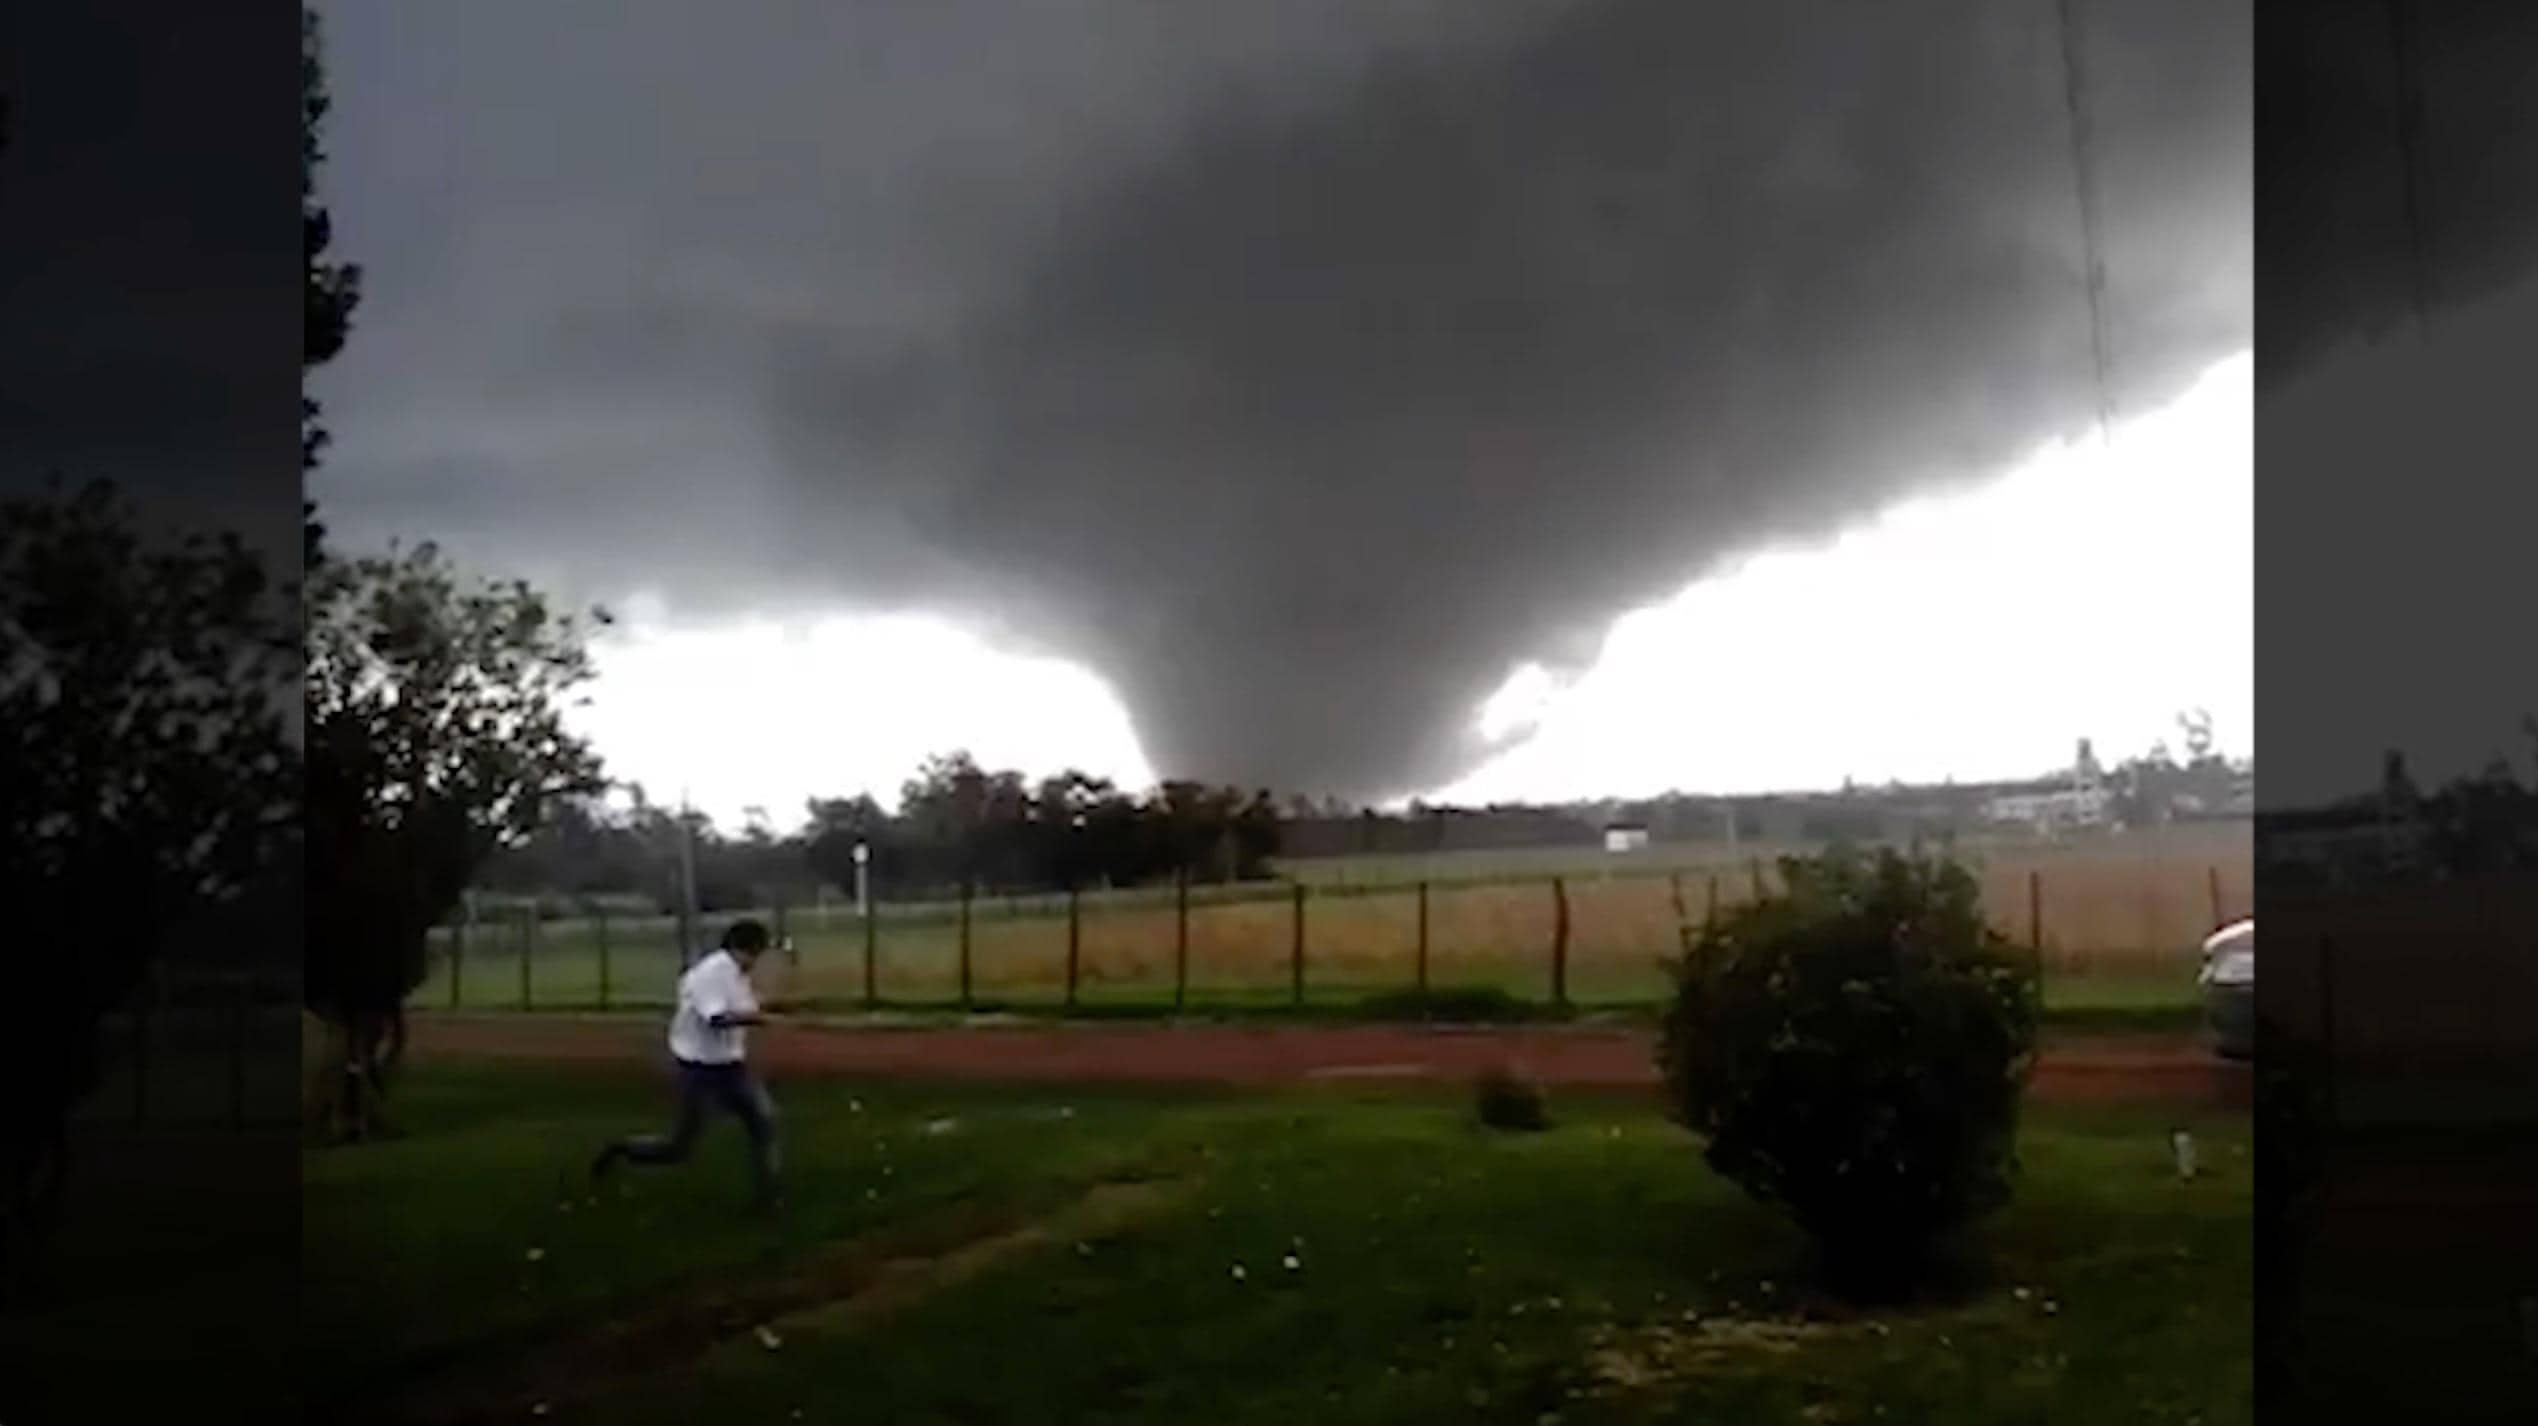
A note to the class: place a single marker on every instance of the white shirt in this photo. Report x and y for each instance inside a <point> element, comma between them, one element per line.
<point>713,986</point>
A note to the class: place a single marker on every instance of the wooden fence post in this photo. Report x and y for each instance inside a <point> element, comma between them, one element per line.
<point>1560,942</point>
<point>1296,956</point>
<point>1423,940</point>
<point>1074,941</point>
<point>1180,940</point>
<point>967,892</point>
<point>2212,880</point>
<point>600,924</point>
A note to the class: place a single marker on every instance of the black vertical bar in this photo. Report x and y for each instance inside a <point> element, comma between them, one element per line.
<point>604,978</point>
<point>1180,940</point>
<point>1560,942</point>
<point>528,952</point>
<point>1296,959</point>
<point>967,891</point>
<point>1074,940</point>
<point>457,961</point>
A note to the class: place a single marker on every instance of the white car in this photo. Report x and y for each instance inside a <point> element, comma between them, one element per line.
<point>2228,979</point>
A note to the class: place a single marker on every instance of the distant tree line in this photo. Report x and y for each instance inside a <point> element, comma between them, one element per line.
<point>957,824</point>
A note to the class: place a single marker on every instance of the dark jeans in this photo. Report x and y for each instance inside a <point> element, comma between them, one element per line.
<point>703,1088</point>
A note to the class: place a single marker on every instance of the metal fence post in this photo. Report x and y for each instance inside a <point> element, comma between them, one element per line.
<point>1296,959</point>
<point>2035,927</point>
<point>872,989</point>
<point>1074,940</point>
<point>1180,940</point>
<point>967,891</point>
<point>1560,942</point>
<point>1423,940</point>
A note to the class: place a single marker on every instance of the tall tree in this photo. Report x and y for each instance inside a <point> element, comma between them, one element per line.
<point>435,735</point>
<point>330,289</point>
<point>146,780</point>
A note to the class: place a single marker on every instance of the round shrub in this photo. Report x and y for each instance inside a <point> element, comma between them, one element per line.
<point>1853,1049</point>
<point>1507,1098</point>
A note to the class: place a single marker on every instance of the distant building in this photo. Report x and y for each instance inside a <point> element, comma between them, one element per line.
<point>2077,799</point>
<point>2051,809</point>
<point>1622,837</point>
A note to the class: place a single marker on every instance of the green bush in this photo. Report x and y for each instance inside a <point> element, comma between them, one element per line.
<point>1506,1098</point>
<point>1853,1050</point>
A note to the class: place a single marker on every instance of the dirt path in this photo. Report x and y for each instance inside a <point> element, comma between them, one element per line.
<point>563,1373</point>
<point>2157,1068</point>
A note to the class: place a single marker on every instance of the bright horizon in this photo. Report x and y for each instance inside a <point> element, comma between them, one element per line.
<point>2093,591</point>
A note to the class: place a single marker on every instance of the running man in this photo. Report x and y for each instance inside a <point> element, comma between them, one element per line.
<point>709,1040</point>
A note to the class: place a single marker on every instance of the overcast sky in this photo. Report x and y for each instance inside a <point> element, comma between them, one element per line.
<point>1298,371</point>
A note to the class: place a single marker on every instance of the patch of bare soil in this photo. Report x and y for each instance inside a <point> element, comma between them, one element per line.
<point>1649,1358</point>
<point>854,1282</point>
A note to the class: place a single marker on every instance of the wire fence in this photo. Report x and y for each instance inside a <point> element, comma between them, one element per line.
<point>215,1053</point>
<point>2113,935</point>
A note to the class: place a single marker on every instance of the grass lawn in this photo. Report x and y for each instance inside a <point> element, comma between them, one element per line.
<point>968,1254</point>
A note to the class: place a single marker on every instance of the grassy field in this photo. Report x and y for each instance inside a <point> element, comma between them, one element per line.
<point>970,1255</point>
<point>2119,920</point>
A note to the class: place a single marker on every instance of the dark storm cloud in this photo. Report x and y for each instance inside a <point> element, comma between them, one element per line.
<point>1301,375</point>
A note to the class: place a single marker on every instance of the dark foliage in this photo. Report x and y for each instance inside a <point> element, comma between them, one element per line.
<point>330,290</point>
<point>435,734</point>
<point>1853,1049</point>
<point>1507,1098</point>
<point>146,783</point>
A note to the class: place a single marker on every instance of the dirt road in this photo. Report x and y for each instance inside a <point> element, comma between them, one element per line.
<point>2170,1069</point>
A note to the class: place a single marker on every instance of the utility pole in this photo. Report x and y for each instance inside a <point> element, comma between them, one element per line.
<point>687,881</point>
